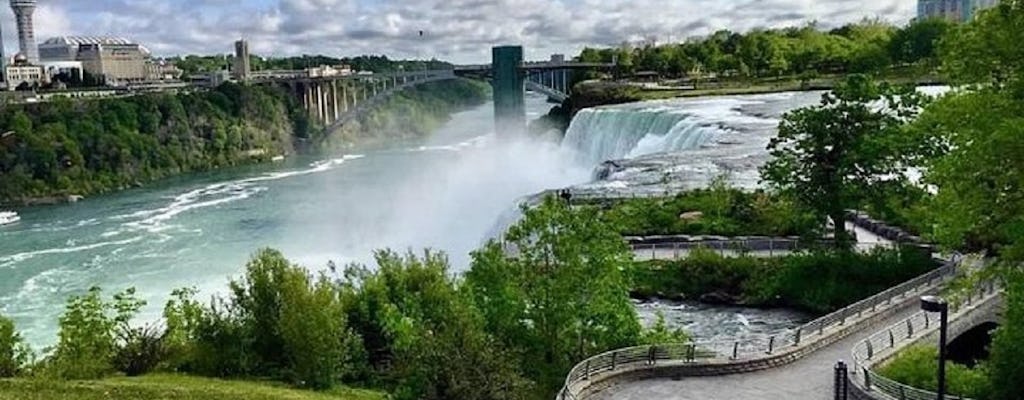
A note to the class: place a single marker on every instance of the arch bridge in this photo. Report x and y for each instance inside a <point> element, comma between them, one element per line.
<point>335,98</point>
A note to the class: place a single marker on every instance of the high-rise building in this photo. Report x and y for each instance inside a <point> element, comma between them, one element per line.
<point>3,57</point>
<point>953,10</point>
<point>241,68</point>
<point>23,10</point>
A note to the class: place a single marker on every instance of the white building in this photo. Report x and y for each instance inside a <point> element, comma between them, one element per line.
<point>21,72</point>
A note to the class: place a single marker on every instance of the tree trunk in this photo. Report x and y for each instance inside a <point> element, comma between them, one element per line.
<point>844,241</point>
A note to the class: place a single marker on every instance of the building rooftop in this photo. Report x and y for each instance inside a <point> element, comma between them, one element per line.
<point>76,41</point>
<point>80,40</point>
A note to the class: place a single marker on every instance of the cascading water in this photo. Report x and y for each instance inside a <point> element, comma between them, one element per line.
<point>608,133</point>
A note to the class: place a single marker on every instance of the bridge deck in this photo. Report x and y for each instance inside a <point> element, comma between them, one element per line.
<point>809,378</point>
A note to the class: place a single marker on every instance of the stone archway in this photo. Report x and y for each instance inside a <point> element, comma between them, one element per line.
<point>972,345</point>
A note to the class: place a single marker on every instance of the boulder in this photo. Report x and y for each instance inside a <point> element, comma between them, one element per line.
<point>691,216</point>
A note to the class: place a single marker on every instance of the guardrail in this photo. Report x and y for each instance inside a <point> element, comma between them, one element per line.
<point>738,356</point>
<point>765,247</point>
<point>901,334</point>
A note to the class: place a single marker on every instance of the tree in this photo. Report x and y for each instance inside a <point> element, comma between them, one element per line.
<point>292,321</point>
<point>978,175</point>
<point>13,351</point>
<point>919,41</point>
<point>423,336</point>
<point>830,157</point>
<point>554,291</point>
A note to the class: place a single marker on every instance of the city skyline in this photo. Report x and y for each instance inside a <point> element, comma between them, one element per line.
<point>461,30</point>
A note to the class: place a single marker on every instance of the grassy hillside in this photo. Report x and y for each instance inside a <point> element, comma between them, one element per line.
<point>167,387</point>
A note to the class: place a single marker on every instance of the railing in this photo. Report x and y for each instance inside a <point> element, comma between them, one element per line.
<point>759,247</point>
<point>901,334</point>
<point>696,353</point>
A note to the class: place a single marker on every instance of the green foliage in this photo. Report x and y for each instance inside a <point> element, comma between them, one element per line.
<point>660,333</point>
<point>93,146</point>
<point>987,51</point>
<point>423,337</point>
<point>825,281</point>
<point>140,350</point>
<point>817,281</point>
<point>920,40</point>
<point>861,47</point>
<point>192,64</point>
<point>558,295</point>
<point>917,367</point>
<point>281,321</point>
<point>724,211</point>
<point>89,333</point>
<point>833,157</point>
<point>1007,354</point>
<point>14,353</point>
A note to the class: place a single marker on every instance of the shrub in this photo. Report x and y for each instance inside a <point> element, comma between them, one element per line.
<point>183,316</point>
<point>424,337</point>
<point>14,353</point>
<point>280,322</point>
<point>916,367</point>
<point>1007,363</point>
<point>88,332</point>
<point>725,211</point>
<point>139,350</point>
<point>819,281</point>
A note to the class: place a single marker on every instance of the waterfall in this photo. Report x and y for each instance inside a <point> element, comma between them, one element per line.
<point>610,133</point>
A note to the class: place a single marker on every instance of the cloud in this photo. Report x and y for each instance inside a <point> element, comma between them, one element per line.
<point>459,30</point>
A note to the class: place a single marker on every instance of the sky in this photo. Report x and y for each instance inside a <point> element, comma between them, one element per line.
<point>461,31</point>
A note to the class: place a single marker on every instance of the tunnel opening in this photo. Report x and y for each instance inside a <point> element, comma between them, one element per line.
<point>972,346</point>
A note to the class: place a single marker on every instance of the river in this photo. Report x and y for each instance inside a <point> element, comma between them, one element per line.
<point>445,192</point>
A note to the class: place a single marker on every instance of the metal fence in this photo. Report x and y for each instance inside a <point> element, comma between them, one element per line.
<point>902,334</point>
<point>757,247</point>
<point>698,352</point>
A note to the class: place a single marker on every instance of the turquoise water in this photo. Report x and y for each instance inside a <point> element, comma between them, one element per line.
<point>444,192</point>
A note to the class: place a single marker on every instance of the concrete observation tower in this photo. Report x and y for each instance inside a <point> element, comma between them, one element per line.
<point>23,10</point>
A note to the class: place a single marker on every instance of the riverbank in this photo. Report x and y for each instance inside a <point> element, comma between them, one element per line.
<point>66,149</point>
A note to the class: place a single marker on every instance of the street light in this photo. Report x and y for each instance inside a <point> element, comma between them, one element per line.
<point>937,304</point>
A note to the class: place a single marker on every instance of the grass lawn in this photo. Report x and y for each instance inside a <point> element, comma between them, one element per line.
<point>167,387</point>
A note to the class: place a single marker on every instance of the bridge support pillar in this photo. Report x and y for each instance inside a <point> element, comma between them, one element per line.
<point>509,101</point>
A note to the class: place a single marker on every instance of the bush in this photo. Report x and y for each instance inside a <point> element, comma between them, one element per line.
<point>917,367</point>
<point>1007,363</point>
<point>819,281</point>
<point>280,322</point>
<point>824,281</point>
<point>139,350</point>
<point>424,337</point>
<point>14,353</point>
<point>725,211</point>
<point>88,334</point>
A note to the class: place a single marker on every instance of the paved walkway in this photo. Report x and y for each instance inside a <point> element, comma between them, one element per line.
<point>809,378</point>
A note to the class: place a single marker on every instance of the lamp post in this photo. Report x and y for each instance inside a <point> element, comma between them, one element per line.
<point>936,304</point>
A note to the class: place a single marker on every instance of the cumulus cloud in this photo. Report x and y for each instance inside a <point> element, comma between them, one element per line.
<point>458,30</point>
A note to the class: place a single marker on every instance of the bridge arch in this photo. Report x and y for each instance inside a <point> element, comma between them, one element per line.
<point>972,345</point>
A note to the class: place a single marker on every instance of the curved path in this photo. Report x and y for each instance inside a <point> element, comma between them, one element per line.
<point>809,378</point>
